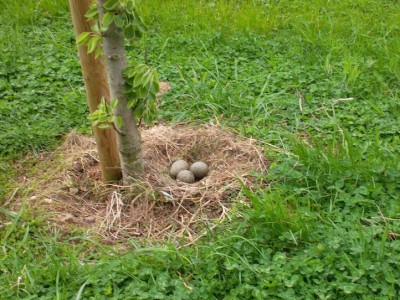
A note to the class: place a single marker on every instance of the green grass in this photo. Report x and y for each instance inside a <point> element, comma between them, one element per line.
<point>327,225</point>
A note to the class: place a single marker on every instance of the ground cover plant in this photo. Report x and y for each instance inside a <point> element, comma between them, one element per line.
<point>315,82</point>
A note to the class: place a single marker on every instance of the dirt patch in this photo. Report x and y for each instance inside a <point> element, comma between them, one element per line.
<point>71,193</point>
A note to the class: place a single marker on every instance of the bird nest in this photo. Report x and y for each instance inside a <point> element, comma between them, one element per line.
<point>68,187</point>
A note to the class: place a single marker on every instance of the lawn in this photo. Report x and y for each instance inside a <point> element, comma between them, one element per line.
<point>315,82</point>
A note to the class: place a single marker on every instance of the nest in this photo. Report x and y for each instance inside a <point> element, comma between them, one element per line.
<point>156,206</point>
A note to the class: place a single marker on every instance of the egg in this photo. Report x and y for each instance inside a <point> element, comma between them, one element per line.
<point>178,166</point>
<point>185,176</point>
<point>199,169</point>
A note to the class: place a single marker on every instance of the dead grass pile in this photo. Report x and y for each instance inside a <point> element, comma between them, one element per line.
<point>156,206</point>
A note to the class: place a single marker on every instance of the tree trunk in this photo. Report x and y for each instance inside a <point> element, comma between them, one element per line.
<point>129,140</point>
<point>94,75</point>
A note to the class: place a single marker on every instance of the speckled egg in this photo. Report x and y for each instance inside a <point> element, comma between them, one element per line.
<point>185,176</point>
<point>199,169</point>
<point>178,166</point>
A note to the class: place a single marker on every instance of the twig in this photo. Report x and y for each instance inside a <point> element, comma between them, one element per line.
<point>341,100</point>
<point>301,98</point>
<point>112,123</point>
<point>11,197</point>
<point>184,283</point>
<point>385,218</point>
<point>393,235</point>
<point>112,216</point>
<point>380,212</point>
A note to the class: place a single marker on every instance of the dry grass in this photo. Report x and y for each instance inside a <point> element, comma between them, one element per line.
<point>156,206</point>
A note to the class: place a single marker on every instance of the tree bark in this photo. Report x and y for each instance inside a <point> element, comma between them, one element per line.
<point>129,139</point>
<point>94,75</point>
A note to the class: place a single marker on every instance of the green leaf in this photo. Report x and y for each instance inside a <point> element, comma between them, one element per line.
<point>139,110</point>
<point>108,18</point>
<point>143,93</point>
<point>119,21</point>
<point>130,71</point>
<point>155,87</point>
<point>82,38</point>
<point>131,103</point>
<point>104,126</point>
<point>146,77</point>
<point>138,33</point>
<point>96,28</point>
<point>93,43</point>
<point>139,24</point>
<point>152,96</point>
<point>140,68</point>
<point>131,14</point>
<point>114,103</point>
<point>147,119</point>
<point>92,13</point>
<point>111,4</point>
<point>138,80</point>
<point>153,106</point>
<point>119,121</point>
<point>156,80</point>
<point>94,115</point>
<point>130,32</point>
<point>131,94</point>
<point>98,52</point>
<point>130,4</point>
<point>103,118</point>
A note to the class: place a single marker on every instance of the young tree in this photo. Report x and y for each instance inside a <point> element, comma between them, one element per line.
<point>133,87</point>
<point>96,88</point>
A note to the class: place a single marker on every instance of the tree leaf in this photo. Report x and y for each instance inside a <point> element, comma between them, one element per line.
<point>92,13</point>
<point>111,4</point>
<point>147,77</point>
<point>156,80</point>
<point>155,87</point>
<point>104,126</point>
<point>143,92</point>
<point>131,103</point>
<point>139,110</point>
<point>152,96</point>
<point>138,80</point>
<point>149,116</point>
<point>108,18</point>
<point>119,21</point>
<point>119,121</point>
<point>82,38</point>
<point>139,24</point>
<point>140,68</point>
<point>130,4</point>
<point>130,71</point>
<point>92,43</point>
<point>129,32</point>
<point>98,52</point>
<point>94,115</point>
<point>103,118</point>
<point>114,103</point>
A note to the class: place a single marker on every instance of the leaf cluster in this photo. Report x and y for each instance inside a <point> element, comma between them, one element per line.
<point>141,80</point>
<point>142,86</point>
<point>122,13</point>
<point>104,117</point>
